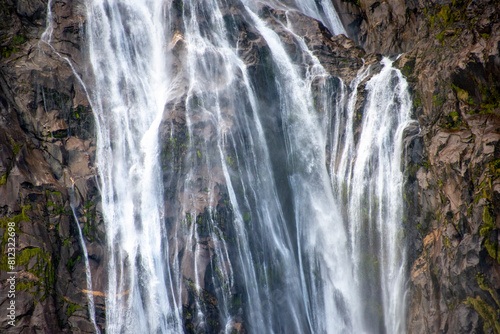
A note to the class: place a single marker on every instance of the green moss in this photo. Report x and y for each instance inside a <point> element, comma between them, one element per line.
<point>417,101</point>
<point>12,48</point>
<point>484,285</point>
<point>86,229</point>
<point>26,255</point>
<point>23,215</point>
<point>490,98</point>
<point>49,192</point>
<point>88,205</point>
<point>25,286</point>
<point>72,308</point>
<point>462,94</point>
<point>175,146</point>
<point>453,121</point>
<point>494,167</point>
<point>446,16</point>
<point>230,161</point>
<point>199,154</point>
<point>487,313</point>
<point>409,67</point>
<point>437,101</point>
<point>440,37</point>
<point>3,179</point>
<point>89,214</point>
<point>72,262</point>
<point>18,39</point>
<point>7,51</point>
<point>57,209</point>
<point>79,111</point>
<point>447,243</point>
<point>247,217</point>
<point>237,302</point>
<point>43,269</point>
<point>485,231</point>
<point>16,148</point>
<point>55,204</point>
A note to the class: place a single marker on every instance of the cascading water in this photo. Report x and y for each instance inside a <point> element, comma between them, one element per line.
<point>369,182</point>
<point>243,224</point>
<point>125,41</point>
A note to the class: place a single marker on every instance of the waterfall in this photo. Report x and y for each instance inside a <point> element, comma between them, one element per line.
<point>241,187</point>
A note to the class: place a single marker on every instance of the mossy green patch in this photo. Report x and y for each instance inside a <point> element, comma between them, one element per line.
<point>494,167</point>
<point>437,100</point>
<point>409,67</point>
<point>25,286</point>
<point>453,121</point>
<point>26,254</point>
<point>462,94</point>
<point>13,47</point>
<point>72,307</point>
<point>230,161</point>
<point>72,262</point>
<point>3,179</point>
<point>487,313</point>
<point>485,231</point>
<point>484,285</point>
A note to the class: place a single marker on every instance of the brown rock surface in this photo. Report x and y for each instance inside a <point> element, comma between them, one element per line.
<point>46,145</point>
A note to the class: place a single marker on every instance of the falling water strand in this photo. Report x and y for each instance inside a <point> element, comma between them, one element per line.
<point>47,34</point>
<point>370,182</point>
<point>126,45</point>
<point>88,274</point>
<point>324,11</point>
<point>377,173</point>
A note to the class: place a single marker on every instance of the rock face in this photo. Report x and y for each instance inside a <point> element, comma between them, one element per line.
<point>47,158</point>
<point>47,152</point>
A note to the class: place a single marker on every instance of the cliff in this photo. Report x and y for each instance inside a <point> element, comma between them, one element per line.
<point>47,150</point>
<point>451,58</point>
